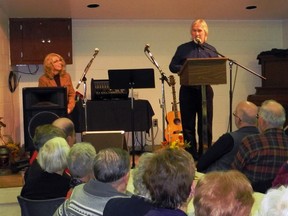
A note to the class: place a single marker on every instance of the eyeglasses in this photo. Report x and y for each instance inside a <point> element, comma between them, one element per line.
<point>234,114</point>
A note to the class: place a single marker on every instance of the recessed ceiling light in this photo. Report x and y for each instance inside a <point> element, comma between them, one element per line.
<point>93,5</point>
<point>251,7</point>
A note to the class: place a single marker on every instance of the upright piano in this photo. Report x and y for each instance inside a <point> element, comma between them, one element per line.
<point>274,66</point>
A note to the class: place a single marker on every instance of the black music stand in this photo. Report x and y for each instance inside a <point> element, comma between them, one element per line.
<point>131,79</point>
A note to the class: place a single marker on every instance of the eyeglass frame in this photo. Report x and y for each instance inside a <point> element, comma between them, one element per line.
<point>235,115</point>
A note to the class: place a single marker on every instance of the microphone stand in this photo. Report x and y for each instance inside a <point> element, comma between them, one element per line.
<point>163,78</point>
<point>84,79</point>
<point>231,62</point>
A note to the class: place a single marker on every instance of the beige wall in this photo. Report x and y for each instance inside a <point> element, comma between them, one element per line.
<point>9,102</point>
<point>285,34</point>
<point>121,45</point>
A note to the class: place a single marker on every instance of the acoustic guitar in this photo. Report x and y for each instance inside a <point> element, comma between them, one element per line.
<point>173,118</point>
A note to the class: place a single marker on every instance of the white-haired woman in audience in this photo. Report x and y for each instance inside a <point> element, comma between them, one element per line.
<point>80,164</point>
<point>275,202</point>
<point>139,203</point>
<point>44,179</point>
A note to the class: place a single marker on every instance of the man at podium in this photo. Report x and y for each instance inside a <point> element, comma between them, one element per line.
<point>191,96</point>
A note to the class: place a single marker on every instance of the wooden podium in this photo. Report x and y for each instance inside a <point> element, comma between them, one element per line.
<point>203,71</point>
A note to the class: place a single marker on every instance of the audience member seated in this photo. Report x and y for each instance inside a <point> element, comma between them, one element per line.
<point>111,171</point>
<point>68,127</point>
<point>80,164</point>
<point>282,176</point>
<point>223,193</point>
<point>260,156</point>
<point>139,203</point>
<point>42,134</point>
<point>169,179</point>
<point>44,179</point>
<point>222,153</point>
<point>275,202</point>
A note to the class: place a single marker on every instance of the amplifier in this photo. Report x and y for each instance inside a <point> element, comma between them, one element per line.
<point>100,90</point>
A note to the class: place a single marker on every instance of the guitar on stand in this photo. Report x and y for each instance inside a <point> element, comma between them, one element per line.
<point>173,118</point>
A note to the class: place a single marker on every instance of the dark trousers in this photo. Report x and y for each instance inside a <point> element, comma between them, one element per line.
<point>190,108</point>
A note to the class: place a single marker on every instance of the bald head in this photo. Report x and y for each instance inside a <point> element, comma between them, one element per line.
<point>246,112</point>
<point>68,127</point>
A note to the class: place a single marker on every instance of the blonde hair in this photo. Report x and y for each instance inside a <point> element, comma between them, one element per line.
<point>203,25</point>
<point>48,64</point>
<point>223,193</point>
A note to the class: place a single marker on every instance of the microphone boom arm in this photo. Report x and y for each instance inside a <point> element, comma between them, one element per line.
<point>83,78</point>
<point>152,59</point>
<point>234,62</point>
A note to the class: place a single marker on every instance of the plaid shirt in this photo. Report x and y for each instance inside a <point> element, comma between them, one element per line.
<point>260,156</point>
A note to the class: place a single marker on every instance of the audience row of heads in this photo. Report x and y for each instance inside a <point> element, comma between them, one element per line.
<point>82,161</point>
<point>61,127</point>
<point>271,114</point>
<point>168,176</point>
<point>53,143</point>
<point>165,177</point>
<point>56,155</point>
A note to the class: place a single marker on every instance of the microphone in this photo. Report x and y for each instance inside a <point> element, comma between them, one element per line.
<point>198,40</point>
<point>147,46</point>
<point>146,49</point>
<point>95,52</point>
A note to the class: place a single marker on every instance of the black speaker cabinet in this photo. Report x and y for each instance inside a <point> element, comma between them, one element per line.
<point>41,105</point>
<point>105,139</point>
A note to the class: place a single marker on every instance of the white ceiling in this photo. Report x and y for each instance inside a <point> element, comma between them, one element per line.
<point>148,9</point>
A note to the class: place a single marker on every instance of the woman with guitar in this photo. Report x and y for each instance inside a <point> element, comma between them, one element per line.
<point>190,96</point>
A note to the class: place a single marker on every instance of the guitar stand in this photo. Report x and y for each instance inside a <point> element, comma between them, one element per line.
<point>163,103</point>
